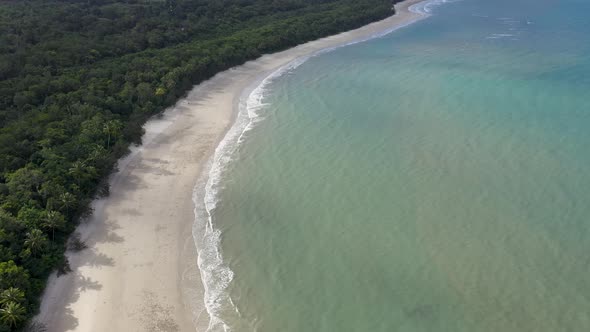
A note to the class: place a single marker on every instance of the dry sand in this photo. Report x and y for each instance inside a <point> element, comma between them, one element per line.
<point>136,272</point>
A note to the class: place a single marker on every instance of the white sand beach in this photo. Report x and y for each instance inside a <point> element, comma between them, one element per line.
<point>133,274</point>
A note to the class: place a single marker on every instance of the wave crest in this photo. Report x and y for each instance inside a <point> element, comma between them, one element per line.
<point>426,7</point>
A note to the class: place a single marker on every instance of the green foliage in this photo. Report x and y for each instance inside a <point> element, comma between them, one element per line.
<point>36,241</point>
<point>53,220</point>
<point>12,295</point>
<point>79,78</point>
<point>12,314</point>
<point>12,275</point>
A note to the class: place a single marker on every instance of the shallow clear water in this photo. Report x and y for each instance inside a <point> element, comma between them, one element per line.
<point>435,179</point>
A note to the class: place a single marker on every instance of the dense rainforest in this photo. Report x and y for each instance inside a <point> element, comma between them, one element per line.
<point>78,78</point>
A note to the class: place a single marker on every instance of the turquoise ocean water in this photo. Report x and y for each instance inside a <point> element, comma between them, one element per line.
<point>435,179</point>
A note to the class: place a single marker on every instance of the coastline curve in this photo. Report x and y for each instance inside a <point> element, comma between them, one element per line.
<point>216,275</point>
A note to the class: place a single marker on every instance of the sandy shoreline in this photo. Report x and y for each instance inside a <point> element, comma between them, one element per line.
<point>139,270</point>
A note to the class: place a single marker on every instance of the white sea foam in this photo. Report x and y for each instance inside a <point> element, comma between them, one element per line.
<point>215,273</point>
<point>425,7</point>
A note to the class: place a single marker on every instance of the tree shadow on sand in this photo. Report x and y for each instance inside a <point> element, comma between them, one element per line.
<point>63,316</point>
<point>96,259</point>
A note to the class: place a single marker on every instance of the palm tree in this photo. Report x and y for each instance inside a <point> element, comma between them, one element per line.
<point>78,170</point>
<point>81,171</point>
<point>35,241</point>
<point>98,153</point>
<point>67,201</point>
<point>12,294</point>
<point>12,314</point>
<point>112,129</point>
<point>53,220</point>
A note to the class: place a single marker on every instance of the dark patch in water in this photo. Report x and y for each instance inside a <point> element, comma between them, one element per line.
<point>421,312</point>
